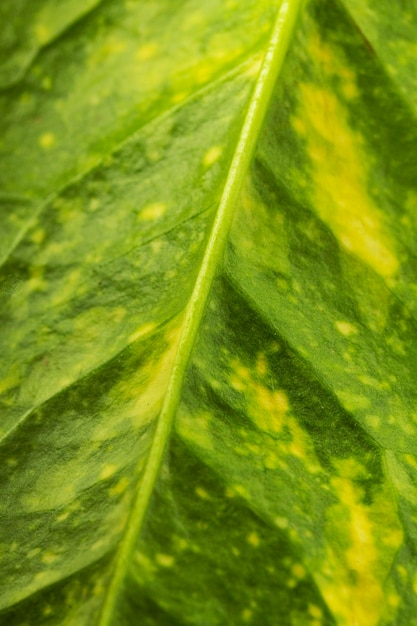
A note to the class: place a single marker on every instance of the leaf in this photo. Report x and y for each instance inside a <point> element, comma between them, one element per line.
<point>287,495</point>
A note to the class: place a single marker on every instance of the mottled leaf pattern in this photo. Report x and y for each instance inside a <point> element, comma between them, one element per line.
<point>288,494</point>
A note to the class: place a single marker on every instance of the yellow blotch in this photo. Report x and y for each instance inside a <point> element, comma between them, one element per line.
<point>301,447</point>
<point>49,557</point>
<point>34,552</point>
<point>409,458</point>
<point>212,155</point>
<point>340,176</point>
<point>42,33</point>
<point>315,611</point>
<point>254,68</point>
<point>346,328</point>
<point>165,560</point>
<point>281,522</point>
<point>153,211</point>
<point>142,331</point>
<point>47,83</point>
<point>179,96</point>
<point>146,566</point>
<point>261,365</point>
<point>374,421</point>
<point>144,394</point>
<point>108,471</point>
<point>120,487</point>
<point>47,140</point>
<point>298,570</point>
<point>36,281</point>
<point>147,51</point>
<point>253,540</point>
<point>118,314</point>
<point>352,401</point>
<point>333,65</point>
<point>394,600</point>
<point>357,559</point>
<point>38,236</point>
<point>202,493</point>
<point>203,72</point>
<point>12,380</point>
<point>247,615</point>
<point>241,491</point>
<point>269,408</point>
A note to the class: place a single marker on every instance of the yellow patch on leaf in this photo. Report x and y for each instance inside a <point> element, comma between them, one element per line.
<point>341,165</point>
<point>361,549</point>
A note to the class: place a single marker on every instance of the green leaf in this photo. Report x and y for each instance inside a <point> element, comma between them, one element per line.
<point>287,495</point>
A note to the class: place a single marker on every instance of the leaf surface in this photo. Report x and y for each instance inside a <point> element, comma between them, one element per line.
<point>288,493</point>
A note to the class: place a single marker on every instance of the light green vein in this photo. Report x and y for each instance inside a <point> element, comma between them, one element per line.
<point>272,63</point>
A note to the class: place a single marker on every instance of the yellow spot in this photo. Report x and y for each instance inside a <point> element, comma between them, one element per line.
<point>94,204</point>
<point>42,33</point>
<point>120,487</point>
<point>241,490</point>
<point>97,545</point>
<point>145,563</point>
<point>315,611</point>
<point>47,83</point>
<point>253,539</point>
<point>370,381</point>
<point>47,140</point>
<point>181,543</point>
<point>346,328</point>
<point>281,522</point>
<point>202,493</point>
<point>261,365</point>
<point>298,570</point>
<point>63,516</point>
<point>142,331</point>
<point>179,96</point>
<point>203,72</point>
<point>409,458</point>
<point>247,615</point>
<point>12,380</point>
<point>394,600</point>
<point>108,471</point>
<point>38,236</point>
<point>118,314</point>
<point>49,557</point>
<point>147,51</point>
<point>374,421</point>
<point>165,560</point>
<point>212,155</point>
<point>153,211</point>
<point>237,383</point>
<point>34,552</point>
<point>415,584</point>
<point>269,409</point>
<point>48,610</point>
<point>353,402</point>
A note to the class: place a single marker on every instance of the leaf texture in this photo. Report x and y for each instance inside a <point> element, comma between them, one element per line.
<point>288,493</point>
